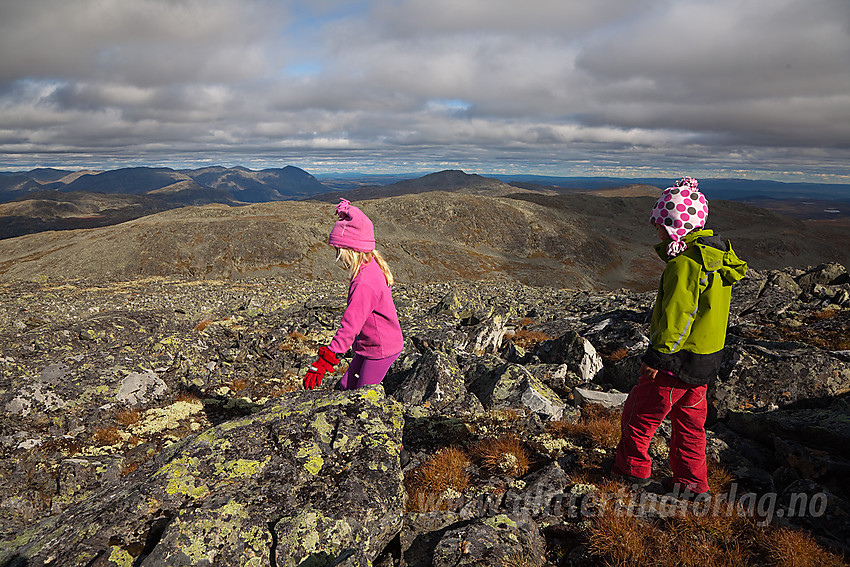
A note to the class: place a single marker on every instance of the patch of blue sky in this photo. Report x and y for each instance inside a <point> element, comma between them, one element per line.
<point>315,15</point>
<point>303,69</point>
<point>449,105</point>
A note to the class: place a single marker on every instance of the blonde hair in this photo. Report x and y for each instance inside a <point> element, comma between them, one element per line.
<point>353,259</point>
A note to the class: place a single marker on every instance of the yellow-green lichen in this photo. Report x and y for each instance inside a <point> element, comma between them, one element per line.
<point>161,419</point>
<point>314,458</point>
<point>311,532</point>
<point>181,479</point>
<point>203,538</point>
<point>241,468</point>
<point>120,556</point>
<point>323,428</point>
<point>500,519</point>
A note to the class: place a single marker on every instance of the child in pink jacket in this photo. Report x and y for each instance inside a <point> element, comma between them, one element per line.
<point>370,324</point>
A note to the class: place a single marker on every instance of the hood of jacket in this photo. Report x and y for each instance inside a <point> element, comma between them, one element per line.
<point>714,253</point>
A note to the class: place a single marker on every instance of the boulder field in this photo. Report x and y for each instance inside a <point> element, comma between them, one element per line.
<point>163,422</point>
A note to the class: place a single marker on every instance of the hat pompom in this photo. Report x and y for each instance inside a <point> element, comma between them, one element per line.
<point>353,230</point>
<point>688,182</point>
<point>343,209</point>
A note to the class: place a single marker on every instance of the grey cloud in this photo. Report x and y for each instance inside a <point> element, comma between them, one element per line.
<point>586,85</point>
<point>143,41</point>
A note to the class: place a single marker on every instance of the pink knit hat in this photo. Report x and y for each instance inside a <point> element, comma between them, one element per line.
<point>353,229</point>
<point>680,210</point>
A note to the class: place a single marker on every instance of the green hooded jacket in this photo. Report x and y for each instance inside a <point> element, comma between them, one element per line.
<point>691,313</point>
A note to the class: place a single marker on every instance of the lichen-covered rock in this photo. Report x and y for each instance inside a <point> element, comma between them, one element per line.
<point>138,388</point>
<point>778,293</point>
<point>490,541</point>
<point>541,495</point>
<point>436,384</point>
<point>513,386</point>
<point>253,491</point>
<point>606,399</point>
<point>583,362</point>
<point>825,274</point>
<point>768,374</point>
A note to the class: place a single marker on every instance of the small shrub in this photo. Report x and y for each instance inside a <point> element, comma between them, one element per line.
<point>505,455</point>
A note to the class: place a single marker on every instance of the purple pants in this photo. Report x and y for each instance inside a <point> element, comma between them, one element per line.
<point>366,371</point>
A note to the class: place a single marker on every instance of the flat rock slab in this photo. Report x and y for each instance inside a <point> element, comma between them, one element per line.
<point>314,477</point>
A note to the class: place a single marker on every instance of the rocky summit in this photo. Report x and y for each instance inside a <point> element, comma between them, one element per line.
<point>162,421</point>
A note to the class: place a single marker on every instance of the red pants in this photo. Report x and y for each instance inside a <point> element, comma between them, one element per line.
<point>646,407</point>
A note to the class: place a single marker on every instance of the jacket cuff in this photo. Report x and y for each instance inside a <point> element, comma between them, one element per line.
<point>660,361</point>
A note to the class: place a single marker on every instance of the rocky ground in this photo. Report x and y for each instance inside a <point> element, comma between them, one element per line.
<point>162,421</point>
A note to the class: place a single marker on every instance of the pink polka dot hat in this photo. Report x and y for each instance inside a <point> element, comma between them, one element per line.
<point>680,210</point>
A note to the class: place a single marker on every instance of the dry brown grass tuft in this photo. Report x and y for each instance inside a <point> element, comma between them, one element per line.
<point>792,548</point>
<point>188,397</point>
<point>106,436</point>
<point>529,339</point>
<point>129,468</point>
<point>696,541</point>
<point>128,417</point>
<point>281,390</point>
<point>505,455</point>
<point>597,424</point>
<point>825,314</point>
<point>294,341</point>
<point>622,539</point>
<point>440,478</point>
<point>719,479</point>
<point>701,540</point>
<point>618,354</point>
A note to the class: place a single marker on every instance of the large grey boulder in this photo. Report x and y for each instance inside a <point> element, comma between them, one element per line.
<point>774,374</point>
<point>311,479</point>
<point>489,541</point>
<point>513,386</point>
<point>434,385</point>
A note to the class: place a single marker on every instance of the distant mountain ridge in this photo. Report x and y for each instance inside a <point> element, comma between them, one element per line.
<point>451,180</point>
<point>236,184</point>
<point>58,193</point>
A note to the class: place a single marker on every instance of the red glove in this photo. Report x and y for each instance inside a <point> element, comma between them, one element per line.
<point>326,363</point>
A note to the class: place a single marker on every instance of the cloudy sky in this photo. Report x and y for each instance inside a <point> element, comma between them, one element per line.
<point>718,88</point>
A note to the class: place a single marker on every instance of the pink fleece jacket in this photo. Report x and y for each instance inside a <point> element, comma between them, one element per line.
<point>370,322</point>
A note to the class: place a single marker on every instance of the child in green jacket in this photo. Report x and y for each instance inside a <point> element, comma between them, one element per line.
<point>687,337</point>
